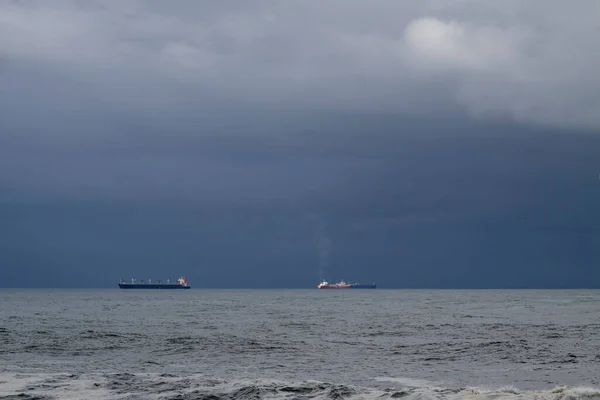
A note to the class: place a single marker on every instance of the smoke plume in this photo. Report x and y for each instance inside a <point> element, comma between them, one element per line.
<point>322,243</point>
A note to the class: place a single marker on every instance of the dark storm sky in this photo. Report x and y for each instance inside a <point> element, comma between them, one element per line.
<point>269,144</point>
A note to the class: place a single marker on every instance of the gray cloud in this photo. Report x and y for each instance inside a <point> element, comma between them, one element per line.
<point>532,61</point>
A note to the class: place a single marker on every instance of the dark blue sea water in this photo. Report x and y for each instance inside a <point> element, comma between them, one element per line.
<point>299,344</point>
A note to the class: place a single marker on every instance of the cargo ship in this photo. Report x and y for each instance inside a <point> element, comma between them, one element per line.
<point>344,285</point>
<point>181,284</point>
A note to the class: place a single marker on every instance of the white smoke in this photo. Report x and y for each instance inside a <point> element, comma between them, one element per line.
<point>324,249</point>
<point>323,244</point>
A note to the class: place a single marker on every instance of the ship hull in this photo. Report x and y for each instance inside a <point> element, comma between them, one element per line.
<point>334,287</point>
<point>152,286</point>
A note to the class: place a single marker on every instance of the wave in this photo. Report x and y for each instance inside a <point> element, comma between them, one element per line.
<point>199,387</point>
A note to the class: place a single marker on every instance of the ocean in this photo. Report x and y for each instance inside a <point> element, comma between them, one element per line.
<point>299,344</point>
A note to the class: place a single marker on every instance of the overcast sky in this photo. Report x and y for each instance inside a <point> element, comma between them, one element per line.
<point>273,143</point>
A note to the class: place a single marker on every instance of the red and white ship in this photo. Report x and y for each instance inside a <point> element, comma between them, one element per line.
<point>340,285</point>
<point>344,285</point>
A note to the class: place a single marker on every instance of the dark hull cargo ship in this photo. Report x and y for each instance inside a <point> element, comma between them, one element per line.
<point>181,284</point>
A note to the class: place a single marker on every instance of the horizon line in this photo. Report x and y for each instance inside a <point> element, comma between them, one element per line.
<point>310,288</point>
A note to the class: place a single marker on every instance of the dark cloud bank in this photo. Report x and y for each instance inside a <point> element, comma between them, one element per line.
<point>417,144</point>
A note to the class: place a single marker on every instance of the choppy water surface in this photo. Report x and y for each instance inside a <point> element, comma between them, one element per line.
<point>285,344</point>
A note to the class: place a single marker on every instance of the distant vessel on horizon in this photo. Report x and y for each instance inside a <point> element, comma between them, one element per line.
<point>181,284</point>
<point>344,285</point>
